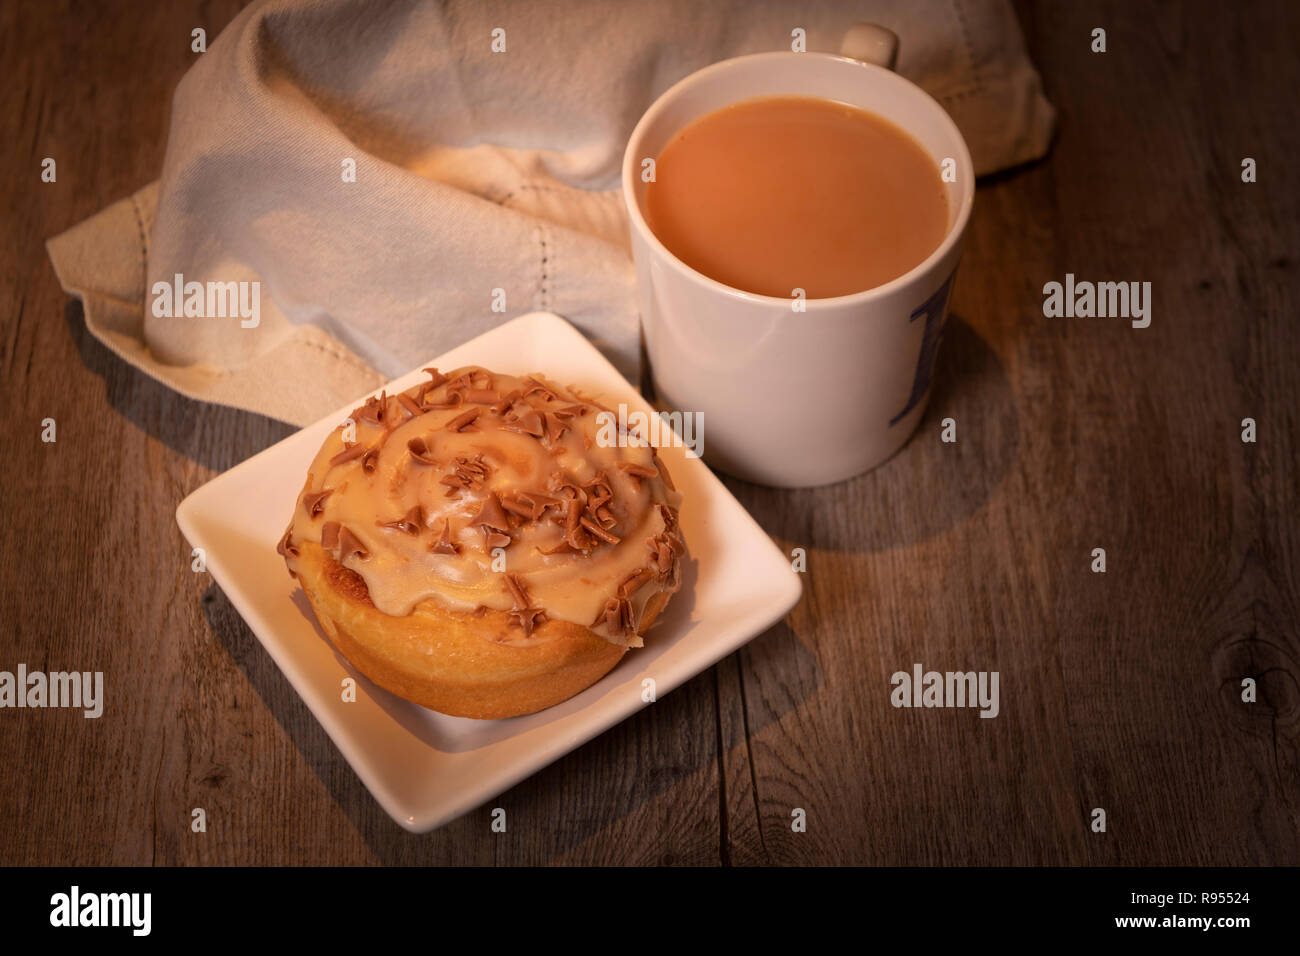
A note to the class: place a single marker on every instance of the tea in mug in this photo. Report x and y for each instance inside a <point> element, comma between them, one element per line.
<point>779,193</point>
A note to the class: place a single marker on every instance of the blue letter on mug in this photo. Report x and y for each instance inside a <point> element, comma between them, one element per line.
<point>935,310</point>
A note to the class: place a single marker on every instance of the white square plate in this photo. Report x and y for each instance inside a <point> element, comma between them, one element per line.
<point>425,768</point>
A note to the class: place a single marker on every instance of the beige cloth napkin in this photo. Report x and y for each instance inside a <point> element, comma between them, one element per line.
<point>482,177</point>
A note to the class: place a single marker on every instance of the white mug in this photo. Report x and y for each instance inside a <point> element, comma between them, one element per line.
<point>797,398</point>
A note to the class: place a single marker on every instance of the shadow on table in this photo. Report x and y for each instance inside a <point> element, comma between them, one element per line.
<point>929,486</point>
<point>215,436</point>
<point>665,739</point>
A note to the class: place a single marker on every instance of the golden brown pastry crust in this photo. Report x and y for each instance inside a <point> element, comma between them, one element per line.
<point>451,661</point>
<point>412,507</point>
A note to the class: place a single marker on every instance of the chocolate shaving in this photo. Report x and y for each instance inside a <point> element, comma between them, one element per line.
<point>528,504</point>
<point>411,523</point>
<point>634,582</point>
<point>350,544</point>
<point>600,494</point>
<point>669,516</point>
<point>517,507</point>
<point>599,511</point>
<point>562,548</point>
<point>482,396</point>
<point>616,615</point>
<point>516,589</point>
<point>567,491</point>
<point>573,533</point>
<point>503,405</point>
<point>314,502</point>
<point>637,472</point>
<point>462,382</point>
<point>436,378</point>
<point>529,423</point>
<point>420,451</point>
<point>600,484</point>
<point>538,502</point>
<point>572,497</point>
<point>527,618</point>
<point>329,535</point>
<point>579,540</point>
<point>370,460</point>
<point>490,514</point>
<point>454,400</point>
<point>373,410</point>
<point>598,531</point>
<point>466,473</point>
<point>286,548</point>
<point>409,405</point>
<point>664,549</point>
<point>474,467</point>
<point>491,518</point>
<point>554,427</point>
<point>523,613</point>
<point>663,556</point>
<point>570,411</point>
<point>464,421</point>
<point>349,452</point>
<point>531,385</point>
<point>444,544</point>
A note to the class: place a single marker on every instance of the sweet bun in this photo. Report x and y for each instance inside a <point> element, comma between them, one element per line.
<point>485,545</point>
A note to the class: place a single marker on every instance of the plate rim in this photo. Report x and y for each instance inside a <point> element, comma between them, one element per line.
<point>189,509</point>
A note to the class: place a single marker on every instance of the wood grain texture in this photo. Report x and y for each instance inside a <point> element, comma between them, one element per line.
<point>1119,691</point>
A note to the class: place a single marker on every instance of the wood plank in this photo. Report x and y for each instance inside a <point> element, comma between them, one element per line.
<point>199,716</point>
<point>1119,690</point>
<point>1122,690</point>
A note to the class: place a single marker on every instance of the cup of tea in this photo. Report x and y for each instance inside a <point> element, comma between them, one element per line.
<point>796,222</point>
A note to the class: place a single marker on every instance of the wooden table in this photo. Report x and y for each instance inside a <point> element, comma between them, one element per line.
<point>1119,690</point>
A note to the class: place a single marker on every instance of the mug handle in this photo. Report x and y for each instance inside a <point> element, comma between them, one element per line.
<point>871,43</point>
